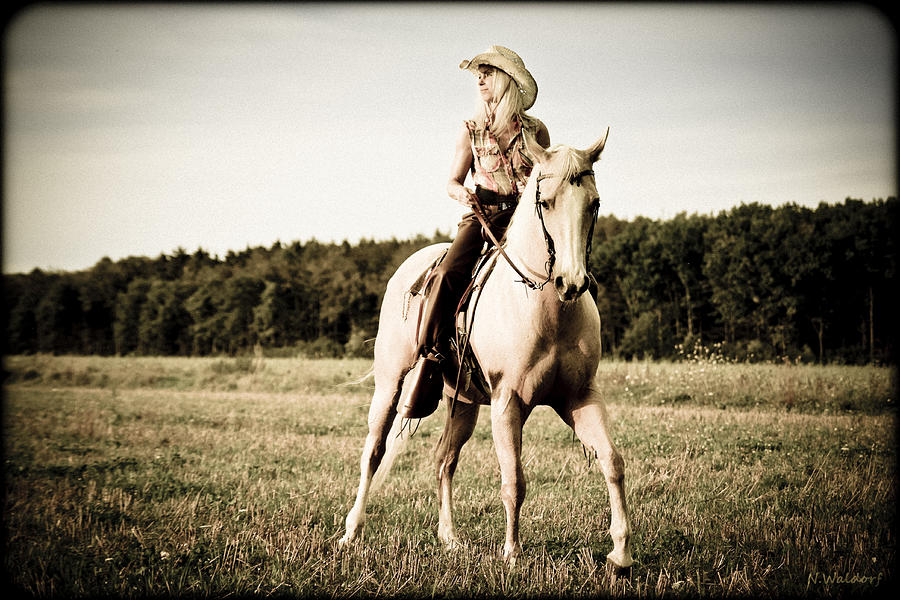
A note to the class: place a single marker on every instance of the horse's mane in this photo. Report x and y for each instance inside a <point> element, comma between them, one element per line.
<point>567,161</point>
<point>570,161</point>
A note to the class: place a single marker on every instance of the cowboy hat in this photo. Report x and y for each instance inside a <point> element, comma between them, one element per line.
<point>509,62</point>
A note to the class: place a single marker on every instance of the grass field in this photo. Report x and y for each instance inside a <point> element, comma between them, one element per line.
<point>136,477</point>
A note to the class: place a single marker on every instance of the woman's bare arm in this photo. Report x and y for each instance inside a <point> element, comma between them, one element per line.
<point>462,163</point>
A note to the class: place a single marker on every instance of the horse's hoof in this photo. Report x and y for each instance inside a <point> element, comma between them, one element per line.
<point>450,541</point>
<point>616,571</point>
<point>452,545</point>
<point>511,556</point>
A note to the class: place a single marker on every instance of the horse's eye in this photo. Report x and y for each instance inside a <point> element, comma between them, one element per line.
<point>543,204</point>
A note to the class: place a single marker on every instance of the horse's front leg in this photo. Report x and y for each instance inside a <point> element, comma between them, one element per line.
<point>457,431</point>
<point>588,417</point>
<point>508,415</point>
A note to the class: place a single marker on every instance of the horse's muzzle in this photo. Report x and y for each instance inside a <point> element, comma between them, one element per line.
<point>568,291</point>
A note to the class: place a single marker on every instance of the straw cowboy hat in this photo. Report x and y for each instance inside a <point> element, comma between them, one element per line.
<point>509,62</point>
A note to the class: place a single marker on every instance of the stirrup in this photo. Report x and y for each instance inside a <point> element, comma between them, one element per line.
<point>426,387</point>
<point>433,355</point>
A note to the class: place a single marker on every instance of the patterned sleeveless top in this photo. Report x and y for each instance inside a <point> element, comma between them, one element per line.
<point>507,172</point>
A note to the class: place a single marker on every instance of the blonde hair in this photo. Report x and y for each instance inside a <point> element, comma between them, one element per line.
<point>507,109</point>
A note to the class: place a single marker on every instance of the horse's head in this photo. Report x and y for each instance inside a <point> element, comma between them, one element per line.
<point>564,192</point>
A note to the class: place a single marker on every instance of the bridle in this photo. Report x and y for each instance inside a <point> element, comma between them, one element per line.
<point>574,179</point>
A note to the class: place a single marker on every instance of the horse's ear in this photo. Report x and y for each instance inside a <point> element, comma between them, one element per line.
<point>594,151</point>
<point>537,152</point>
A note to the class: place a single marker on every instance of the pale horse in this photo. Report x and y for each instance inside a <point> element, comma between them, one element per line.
<point>536,346</point>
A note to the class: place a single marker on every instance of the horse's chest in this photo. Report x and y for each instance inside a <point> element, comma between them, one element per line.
<point>537,349</point>
<point>537,366</point>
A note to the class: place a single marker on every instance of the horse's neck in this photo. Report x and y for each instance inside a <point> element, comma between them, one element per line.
<point>529,304</point>
<point>525,243</point>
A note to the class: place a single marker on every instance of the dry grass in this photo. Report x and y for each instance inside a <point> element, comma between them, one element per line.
<point>123,488</point>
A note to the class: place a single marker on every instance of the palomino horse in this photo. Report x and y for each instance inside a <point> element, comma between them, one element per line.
<point>547,354</point>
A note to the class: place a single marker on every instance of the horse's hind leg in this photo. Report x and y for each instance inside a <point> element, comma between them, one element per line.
<point>381,416</point>
<point>457,431</point>
<point>589,419</point>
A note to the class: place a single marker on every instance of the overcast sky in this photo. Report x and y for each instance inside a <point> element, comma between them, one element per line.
<point>132,130</point>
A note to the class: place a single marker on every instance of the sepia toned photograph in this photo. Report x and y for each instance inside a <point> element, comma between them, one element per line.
<point>450,300</point>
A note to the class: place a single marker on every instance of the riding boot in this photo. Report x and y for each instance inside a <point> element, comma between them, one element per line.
<point>426,387</point>
<point>446,286</point>
<point>426,378</point>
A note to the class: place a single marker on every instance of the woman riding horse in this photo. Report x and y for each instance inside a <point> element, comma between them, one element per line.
<point>492,147</point>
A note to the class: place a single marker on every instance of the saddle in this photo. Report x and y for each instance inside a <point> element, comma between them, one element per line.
<point>464,379</point>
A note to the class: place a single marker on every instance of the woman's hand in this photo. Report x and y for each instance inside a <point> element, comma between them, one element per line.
<point>462,194</point>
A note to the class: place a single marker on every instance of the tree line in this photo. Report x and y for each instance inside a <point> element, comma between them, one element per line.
<point>756,282</point>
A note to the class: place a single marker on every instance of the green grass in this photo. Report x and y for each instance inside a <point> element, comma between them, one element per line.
<point>136,477</point>
<point>794,388</point>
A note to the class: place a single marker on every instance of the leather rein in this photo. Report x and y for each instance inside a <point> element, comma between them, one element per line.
<point>575,179</point>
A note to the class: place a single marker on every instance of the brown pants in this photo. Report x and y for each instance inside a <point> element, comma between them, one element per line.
<point>451,278</point>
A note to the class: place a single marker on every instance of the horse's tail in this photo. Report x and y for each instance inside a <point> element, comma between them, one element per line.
<point>367,376</point>
<point>395,443</point>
